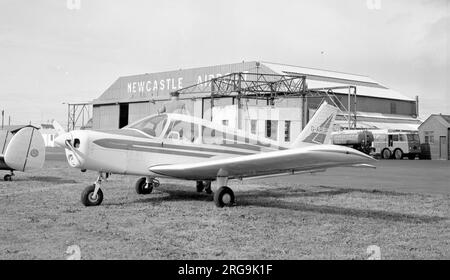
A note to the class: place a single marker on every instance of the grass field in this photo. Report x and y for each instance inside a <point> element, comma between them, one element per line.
<point>303,217</point>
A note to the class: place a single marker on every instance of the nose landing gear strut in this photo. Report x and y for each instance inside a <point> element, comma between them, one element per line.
<point>93,195</point>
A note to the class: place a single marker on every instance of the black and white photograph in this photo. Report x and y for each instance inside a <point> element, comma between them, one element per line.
<point>240,133</point>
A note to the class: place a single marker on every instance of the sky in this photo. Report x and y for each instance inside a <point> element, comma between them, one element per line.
<point>54,51</point>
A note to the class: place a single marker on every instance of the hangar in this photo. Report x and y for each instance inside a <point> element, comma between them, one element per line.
<point>374,105</point>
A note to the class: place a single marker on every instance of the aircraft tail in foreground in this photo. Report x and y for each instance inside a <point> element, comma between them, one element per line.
<point>25,151</point>
<point>319,128</point>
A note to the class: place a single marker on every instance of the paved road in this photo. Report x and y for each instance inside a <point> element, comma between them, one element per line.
<point>423,176</point>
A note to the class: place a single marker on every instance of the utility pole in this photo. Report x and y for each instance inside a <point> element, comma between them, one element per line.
<point>3,117</point>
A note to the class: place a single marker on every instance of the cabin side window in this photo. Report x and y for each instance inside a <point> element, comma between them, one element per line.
<point>182,131</point>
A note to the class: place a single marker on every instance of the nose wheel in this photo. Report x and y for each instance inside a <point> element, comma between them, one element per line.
<point>89,198</point>
<point>93,195</point>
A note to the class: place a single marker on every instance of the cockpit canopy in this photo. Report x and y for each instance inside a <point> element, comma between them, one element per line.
<point>188,129</point>
<point>152,126</point>
<point>163,126</point>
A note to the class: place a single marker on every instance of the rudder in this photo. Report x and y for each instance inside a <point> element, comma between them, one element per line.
<point>319,128</point>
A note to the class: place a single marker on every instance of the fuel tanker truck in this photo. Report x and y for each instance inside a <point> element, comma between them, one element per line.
<point>360,140</point>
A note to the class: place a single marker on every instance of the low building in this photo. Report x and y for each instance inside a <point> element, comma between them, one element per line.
<point>434,133</point>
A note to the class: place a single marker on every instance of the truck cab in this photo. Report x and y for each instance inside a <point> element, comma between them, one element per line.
<point>396,144</point>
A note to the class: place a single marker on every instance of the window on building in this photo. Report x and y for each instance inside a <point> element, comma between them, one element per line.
<point>271,129</point>
<point>393,108</point>
<point>287,131</point>
<point>225,122</point>
<point>253,126</point>
<point>429,137</point>
<point>211,136</point>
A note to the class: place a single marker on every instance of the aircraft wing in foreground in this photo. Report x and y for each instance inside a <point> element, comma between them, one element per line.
<point>184,147</point>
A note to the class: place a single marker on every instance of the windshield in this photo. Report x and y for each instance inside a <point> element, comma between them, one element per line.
<point>153,126</point>
<point>413,137</point>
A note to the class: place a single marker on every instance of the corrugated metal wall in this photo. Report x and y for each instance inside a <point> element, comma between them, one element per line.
<point>140,110</point>
<point>105,117</point>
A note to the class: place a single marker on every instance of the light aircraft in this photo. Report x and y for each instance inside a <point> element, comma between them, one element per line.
<point>190,148</point>
<point>22,149</point>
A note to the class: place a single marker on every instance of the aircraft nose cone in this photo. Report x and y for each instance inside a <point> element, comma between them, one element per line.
<point>60,141</point>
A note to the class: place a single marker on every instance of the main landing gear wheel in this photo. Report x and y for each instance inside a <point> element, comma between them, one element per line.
<point>144,186</point>
<point>7,177</point>
<point>200,186</point>
<point>224,197</point>
<point>88,198</point>
<point>204,186</point>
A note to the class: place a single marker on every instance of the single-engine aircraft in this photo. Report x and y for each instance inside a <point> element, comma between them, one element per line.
<point>185,147</point>
<point>22,149</point>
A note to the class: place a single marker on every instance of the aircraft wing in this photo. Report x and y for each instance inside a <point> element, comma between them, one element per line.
<point>295,160</point>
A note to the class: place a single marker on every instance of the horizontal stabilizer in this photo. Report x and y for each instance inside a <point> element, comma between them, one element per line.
<point>26,150</point>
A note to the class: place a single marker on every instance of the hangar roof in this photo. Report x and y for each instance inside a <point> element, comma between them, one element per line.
<point>317,78</point>
<point>157,86</point>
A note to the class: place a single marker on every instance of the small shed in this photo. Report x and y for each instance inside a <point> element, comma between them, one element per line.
<point>435,133</point>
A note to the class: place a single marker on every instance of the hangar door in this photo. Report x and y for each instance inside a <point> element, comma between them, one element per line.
<point>123,115</point>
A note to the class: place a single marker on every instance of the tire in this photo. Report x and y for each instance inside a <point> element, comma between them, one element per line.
<point>412,156</point>
<point>224,197</point>
<point>140,188</point>
<point>386,154</point>
<point>7,177</point>
<point>398,154</point>
<point>88,200</point>
<point>200,186</point>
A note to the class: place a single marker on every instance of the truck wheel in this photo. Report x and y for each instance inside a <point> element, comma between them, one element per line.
<point>398,154</point>
<point>386,154</point>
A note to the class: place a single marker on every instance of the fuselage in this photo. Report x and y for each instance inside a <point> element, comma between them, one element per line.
<point>177,139</point>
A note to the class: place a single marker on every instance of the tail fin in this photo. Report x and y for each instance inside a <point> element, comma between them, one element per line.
<point>26,150</point>
<point>59,129</point>
<point>319,128</point>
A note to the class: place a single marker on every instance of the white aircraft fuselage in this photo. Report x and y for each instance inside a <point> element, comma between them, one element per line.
<point>184,147</point>
<point>132,152</point>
